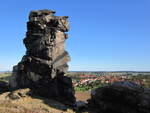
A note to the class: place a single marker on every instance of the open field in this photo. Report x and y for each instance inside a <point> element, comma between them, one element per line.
<point>5,76</point>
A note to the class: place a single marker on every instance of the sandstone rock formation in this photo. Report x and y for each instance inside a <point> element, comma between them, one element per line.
<point>121,97</point>
<point>42,68</point>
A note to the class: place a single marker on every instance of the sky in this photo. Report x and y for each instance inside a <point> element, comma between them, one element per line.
<point>105,35</point>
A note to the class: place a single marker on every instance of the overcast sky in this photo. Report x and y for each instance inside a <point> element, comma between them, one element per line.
<point>105,35</point>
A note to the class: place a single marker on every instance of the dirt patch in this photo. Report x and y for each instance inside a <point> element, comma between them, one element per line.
<point>83,96</point>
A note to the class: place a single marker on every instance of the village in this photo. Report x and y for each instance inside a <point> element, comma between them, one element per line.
<point>88,82</point>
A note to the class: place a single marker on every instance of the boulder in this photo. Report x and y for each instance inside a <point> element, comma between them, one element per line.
<point>43,66</point>
<point>121,97</point>
<point>18,94</point>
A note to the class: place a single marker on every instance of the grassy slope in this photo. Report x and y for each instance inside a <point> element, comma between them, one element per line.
<point>31,105</point>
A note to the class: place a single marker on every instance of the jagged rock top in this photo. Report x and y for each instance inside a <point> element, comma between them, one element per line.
<point>48,18</point>
<point>41,12</point>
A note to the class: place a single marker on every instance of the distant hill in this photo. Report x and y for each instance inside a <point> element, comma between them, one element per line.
<point>111,72</point>
<point>5,71</point>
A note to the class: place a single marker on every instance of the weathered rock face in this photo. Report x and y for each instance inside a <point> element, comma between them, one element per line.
<point>4,87</point>
<point>42,68</point>
<point>121,97</point>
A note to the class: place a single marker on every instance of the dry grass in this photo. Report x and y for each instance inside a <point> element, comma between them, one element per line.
<point>31,105</point>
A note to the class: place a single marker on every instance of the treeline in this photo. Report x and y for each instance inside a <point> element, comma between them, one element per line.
<point>98,73</point>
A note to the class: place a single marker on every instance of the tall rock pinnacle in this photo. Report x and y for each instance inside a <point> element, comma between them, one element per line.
<point>42,68</point>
